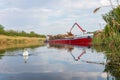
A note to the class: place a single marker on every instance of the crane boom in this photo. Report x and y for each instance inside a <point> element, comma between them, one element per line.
<point>78,27</point>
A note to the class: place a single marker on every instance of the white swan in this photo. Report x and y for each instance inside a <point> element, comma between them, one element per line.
<point>25,53</point>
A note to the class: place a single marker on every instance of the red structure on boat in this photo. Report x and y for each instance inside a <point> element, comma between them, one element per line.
<point>84,40</point>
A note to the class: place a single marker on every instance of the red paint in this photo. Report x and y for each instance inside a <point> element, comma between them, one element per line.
<point>74,41</point>
<point>80,41</point>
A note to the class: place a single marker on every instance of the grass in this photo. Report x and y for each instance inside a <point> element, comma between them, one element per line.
<point>110,35</point>
<point>7,42</point>
<point>111,42</point>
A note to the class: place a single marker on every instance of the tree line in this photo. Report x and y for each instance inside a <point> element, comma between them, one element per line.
<point>19,33</point>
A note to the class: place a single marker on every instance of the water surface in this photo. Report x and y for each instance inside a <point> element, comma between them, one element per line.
<point>53,62</point>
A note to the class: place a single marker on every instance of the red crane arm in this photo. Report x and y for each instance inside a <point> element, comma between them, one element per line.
<point>78,27</point>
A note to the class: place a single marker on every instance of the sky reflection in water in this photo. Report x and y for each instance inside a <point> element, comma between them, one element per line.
<point>52,63</point>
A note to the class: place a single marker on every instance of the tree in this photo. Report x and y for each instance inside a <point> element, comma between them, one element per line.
<point>32,34</point>
<point>1,29</point>
<point>17,33</point>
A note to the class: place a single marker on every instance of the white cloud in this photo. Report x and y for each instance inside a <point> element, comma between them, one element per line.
<point>57,15</point>
<point>105,2</point>
<point>79,4</point>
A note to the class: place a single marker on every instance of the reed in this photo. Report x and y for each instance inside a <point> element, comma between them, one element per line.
<point>108,41</point>
<point>110,36</point>
<point>7,42</point>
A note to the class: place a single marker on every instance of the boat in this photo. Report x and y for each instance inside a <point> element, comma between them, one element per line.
<point>83,40</point>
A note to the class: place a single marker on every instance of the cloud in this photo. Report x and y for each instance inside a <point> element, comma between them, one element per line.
<point>43,16</point>
<point>108,2</point>
<point>104,2</point>
<point>23,16</point>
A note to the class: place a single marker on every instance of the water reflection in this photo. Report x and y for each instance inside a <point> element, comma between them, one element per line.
<point>25,59</point>
<point>112,66</point>
<point>78,58</point>
<point>82,51</point>
<point>2,53</point>
<point>54,76</point>
<point>25,55</point>
<point>70,48</point>
<point>55,62</point>
<point>111,62</point>
<point>10,51</point>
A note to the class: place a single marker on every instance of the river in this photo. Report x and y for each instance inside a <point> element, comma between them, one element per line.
<point>54,62</point>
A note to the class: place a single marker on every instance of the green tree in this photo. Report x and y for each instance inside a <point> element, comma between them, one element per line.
<point>19,33</point>
<point>32,34</point>
<point>1,29</point>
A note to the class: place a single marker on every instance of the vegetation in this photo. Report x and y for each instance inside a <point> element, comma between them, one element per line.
<point>14,39</point>
<point>109,41</point>
<point>113,60</point>
<point>111,33</point>
<point>8,42</point>
<point>18,33</point>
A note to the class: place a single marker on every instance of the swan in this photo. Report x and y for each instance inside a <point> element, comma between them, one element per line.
<point>25,53</point>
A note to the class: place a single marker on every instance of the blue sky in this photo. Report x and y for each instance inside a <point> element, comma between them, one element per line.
<point>52,16</point>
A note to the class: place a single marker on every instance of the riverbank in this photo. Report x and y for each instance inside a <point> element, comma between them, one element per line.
<point>7,42</point>
<point>111,43</point>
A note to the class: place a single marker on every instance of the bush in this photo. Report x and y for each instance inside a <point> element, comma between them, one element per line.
<point>19,33</point>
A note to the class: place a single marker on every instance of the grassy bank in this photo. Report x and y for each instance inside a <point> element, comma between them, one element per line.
<point>7,42</point>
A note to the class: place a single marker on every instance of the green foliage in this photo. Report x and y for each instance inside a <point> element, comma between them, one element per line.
<point>110,36</point>
<point>111,32</point>
<point>113,59</point>
<point>19,33</point>
<point>113,21</point>
<point>1,29</point>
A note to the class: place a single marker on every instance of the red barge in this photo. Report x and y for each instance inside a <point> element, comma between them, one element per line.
<point>84,40</point>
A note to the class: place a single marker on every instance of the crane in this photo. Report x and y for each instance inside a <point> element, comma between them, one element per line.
<point>78,27</point>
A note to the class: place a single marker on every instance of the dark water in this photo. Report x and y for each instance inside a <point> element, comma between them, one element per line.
<point>53,62</point>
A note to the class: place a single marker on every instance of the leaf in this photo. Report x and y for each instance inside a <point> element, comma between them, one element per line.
<point>96,9</point>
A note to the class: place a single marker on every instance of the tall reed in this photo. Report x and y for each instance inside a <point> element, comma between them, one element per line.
<point>111,33</point>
